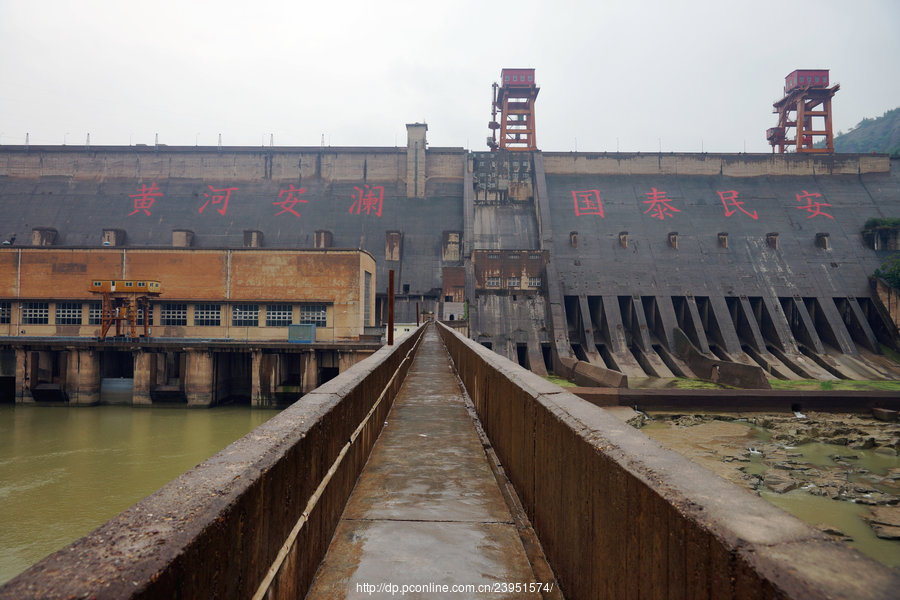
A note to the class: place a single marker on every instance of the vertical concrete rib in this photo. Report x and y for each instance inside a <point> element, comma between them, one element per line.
<point>556,307</point>
<point>809,336</point>
<point>535,356</point>
<point>641,334</point>
<point>614,328</point>
<point>616,341</point>
<point>587,326</point>
<point>756,338</point>
<point>468,240</point>
<point>697,324</point>
<point>468,211</point>
<point>667,321</point>
<point>722,315</point>
<point>839,331</point>
<point>858,321</point>
<point>780,325</point>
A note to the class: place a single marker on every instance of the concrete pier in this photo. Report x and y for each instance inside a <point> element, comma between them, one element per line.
<point>427,509</point>
<point>196,373</point>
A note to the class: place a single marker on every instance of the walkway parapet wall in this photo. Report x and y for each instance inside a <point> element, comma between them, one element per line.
<point>619,516</point>
<point>268,504</point>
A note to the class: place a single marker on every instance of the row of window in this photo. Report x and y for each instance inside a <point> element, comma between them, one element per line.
<point>516,78</point>
<point>171,313</point>
<point>494,256</point>
<point>512,282</point>
<point>514,163</point>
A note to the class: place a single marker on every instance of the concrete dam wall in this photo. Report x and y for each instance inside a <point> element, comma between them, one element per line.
<point>759,260</point>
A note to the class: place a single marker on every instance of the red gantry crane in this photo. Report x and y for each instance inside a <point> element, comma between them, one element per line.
<point>804,112</point>
<point>120,302</point>
<point>515,101</point>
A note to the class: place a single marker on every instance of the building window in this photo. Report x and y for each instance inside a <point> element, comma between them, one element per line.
<point>534,282</point>
<point>208,314</point>
<point>278,315</point>
<point>313,314</point>
<point>173,313</point>
<point>492,282</point>
<point>95,314</point>
<point>245,315</point>
<point>534,257</point>
<point>367,293</point>
<point>513,257</point>
<point>5,312</point>
<point>493,256</point>
<point>68,313</point>
<point>94,309</point>
<point>512,282</point>
<point>35,313</point>
<point>140,316</point>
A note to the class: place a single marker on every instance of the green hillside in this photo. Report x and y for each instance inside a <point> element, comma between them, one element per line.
<point>880,135</point>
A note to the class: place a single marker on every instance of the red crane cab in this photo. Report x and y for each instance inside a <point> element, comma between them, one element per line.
<point>803,78</point>
<point>517,77</point>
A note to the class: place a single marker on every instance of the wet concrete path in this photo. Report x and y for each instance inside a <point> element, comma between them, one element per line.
<point>427,510</point>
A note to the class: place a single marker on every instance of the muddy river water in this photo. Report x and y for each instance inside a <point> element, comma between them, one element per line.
<point>64,471</point>
<point>840,473</point>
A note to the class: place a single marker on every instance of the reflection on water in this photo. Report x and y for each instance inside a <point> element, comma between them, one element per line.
<point>64,471</point>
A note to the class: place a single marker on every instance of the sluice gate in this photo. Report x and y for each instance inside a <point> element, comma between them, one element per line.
<point>615,514</point>
<point>788,337</point>
<point>201,373</point>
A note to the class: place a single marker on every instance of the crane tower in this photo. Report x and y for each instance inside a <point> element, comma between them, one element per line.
<point>515,101</point>
<point>121,303</point>
<point>804,112</point>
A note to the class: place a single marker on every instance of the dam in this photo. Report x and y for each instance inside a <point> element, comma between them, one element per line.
<point>281,267</point>
<point>760,261</point>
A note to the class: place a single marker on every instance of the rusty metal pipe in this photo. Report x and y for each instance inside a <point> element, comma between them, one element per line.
<point>390,331</point>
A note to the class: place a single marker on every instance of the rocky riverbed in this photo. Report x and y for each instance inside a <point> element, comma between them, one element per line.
<point>844,457</point>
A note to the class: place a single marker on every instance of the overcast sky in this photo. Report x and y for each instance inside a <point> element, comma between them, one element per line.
<point>637,75</point>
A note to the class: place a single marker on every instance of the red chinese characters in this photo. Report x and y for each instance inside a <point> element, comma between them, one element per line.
<point>291,200</point>
<point>660,206</point>
<point>368,199</point>
<point>218,197</point>
<point>145,198</point>
<point>732,204</point>
<point>587,202</point>
<point>814,208</point>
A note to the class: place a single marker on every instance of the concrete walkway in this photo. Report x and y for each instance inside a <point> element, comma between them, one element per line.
<point>427,510</point>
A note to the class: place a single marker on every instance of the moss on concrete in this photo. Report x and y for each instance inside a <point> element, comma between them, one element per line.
<point>560,381</point>
<point>837,384</point>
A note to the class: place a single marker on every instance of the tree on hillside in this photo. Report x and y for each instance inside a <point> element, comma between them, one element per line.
<point>880,135</point>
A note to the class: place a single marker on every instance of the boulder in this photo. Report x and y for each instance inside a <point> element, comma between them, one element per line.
<point>885,414</point>
<point>884,521</point>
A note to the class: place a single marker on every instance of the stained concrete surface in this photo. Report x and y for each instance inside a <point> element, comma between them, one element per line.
<point>427,509</point>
